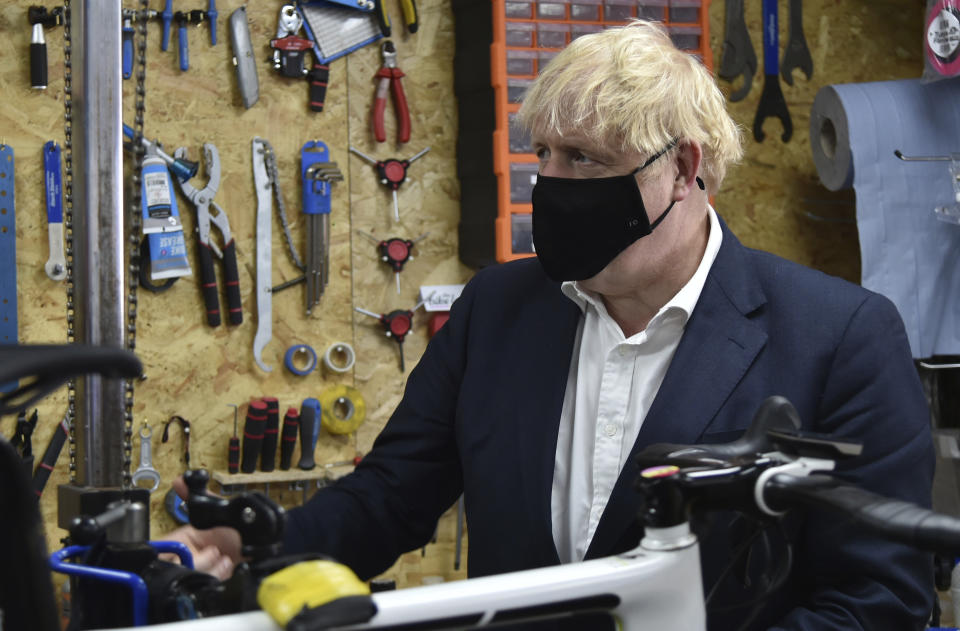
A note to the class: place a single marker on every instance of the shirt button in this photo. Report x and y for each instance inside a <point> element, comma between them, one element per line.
<point>622,350</point>
<point>610,429</point>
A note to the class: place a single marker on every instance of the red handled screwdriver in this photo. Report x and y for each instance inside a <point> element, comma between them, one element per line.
<point>288,438</point>
<point>253,429</point>
<point>268,452</point>
<point>233,451</point>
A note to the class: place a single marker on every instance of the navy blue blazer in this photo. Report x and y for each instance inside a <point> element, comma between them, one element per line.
<point>481,410</point>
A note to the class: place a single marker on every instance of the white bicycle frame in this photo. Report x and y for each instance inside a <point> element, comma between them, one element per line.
<point>653,587</point>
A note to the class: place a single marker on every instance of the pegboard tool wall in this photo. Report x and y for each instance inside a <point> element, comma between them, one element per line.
<point>773,201</point>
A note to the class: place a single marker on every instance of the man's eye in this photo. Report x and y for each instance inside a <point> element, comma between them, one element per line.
<point>541,153</point>
<point>581,159</point>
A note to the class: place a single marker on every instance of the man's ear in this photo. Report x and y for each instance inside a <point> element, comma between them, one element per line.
<point>687,160</point>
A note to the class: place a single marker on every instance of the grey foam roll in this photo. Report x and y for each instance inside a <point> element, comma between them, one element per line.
<point>830,140</point>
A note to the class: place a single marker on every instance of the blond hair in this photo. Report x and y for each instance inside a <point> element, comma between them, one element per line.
<point>631,84</point>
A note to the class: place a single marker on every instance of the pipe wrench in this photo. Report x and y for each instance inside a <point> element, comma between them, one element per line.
<point>203,201</point>
<point>264,291</point>
<point>56,265</point>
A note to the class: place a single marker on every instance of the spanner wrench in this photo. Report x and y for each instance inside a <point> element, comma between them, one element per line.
<point>738,57</point>
<point>146,471</point>
<point>796,54</point>
<point>771,99</point>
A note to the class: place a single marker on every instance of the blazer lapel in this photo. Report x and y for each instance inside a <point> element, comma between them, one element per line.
<point>718,346</point>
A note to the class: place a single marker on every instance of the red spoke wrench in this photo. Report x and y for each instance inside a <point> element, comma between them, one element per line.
<point>395,251</point>
<point>396,324</point>
<point>392,173</point>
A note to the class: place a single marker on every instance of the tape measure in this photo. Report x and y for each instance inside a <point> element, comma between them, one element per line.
<point>343,409</point>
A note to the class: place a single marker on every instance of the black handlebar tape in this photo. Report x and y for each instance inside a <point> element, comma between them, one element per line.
<point>232,280</point>
<point>891,519</point>
<point>208,285</point>
<point>309,431</point>
<point>318,77</point>
<point>49,461</point>
<point>253,428</point>
<point>288,437</point>
<point>38,66</point>
<point>268,451</point>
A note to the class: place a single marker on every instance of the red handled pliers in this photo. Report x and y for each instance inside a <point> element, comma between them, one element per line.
<point>389,77</point>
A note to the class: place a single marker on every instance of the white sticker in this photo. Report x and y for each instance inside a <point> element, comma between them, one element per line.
<point>439,297</point>
<point>943,36</point>
<point>157,189</point>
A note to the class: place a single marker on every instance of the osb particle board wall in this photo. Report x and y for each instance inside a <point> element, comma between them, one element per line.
<point>773,200</point>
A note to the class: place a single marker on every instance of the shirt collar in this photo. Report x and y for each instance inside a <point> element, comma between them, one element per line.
<point>685,300</point>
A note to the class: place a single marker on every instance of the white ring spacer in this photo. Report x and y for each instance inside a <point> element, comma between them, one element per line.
<point>339,347</point>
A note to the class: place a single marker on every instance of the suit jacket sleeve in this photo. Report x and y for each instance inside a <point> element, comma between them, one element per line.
<point>872,394</point>
<point>391,503</point>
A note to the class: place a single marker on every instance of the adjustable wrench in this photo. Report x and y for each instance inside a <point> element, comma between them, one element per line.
<point>146,471</point>
<point>738,57</point>
<point>771,99</point>
<point>796,54</point>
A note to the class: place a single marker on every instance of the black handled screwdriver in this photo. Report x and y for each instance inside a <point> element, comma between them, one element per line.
<point>253,429</point>
<point>268,451</point>
<point>288,438</point>
<point>233,450</point>
<point>309,431</point>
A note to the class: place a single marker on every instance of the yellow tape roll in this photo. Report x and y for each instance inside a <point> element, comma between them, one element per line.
<point>307,585</point>
<point>343,409</point>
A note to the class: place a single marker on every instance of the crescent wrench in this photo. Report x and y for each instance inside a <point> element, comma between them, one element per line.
<point>146,471</point>
<point>264,291</point>
<point>738,57</point>
<point>771,99</point>
<point>796,54</point>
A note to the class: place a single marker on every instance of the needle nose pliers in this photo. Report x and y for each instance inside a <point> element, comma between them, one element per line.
<point>389,77</point>
<point>203,201</point>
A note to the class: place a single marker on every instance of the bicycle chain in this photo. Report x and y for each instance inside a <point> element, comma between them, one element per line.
<point>270,161</point>
<point>134,224</point>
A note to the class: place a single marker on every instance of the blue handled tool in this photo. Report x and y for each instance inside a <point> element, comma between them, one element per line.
<point>126,34</point>
<point>318,174</point>
<point>167,17</point>
<point>212,16</point>
<point>181,167</point>
<point>771,99</point>
<point>56,265</point>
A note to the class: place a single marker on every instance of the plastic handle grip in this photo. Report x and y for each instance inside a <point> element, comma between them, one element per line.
<point>253,428</point>
<point>771,38</point>
<point>309,431</point>
<point>268,452</point>
<point>208,285</point>
<point>231,279</point>
<point>127,52</point>
<point>288,438</point>
<point>184,50</point>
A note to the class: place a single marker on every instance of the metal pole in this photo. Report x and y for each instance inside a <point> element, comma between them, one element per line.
<point>98,229</point>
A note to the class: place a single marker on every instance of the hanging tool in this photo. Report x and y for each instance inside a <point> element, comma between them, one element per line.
<point>309,432</point>
<point>126,36</point>
<point>163,244</point>
<point>182,168</point>
<point>738,57</point>
<point>8,255</point>
<point>146,471</point>
<point>243,57</point>
<point>22,439</point>
<point>196,16</point>
<point>288,437</point>
<point>395,252</point>
<point>392,173</point>
<point>771,99</point>
<point>56,265</point>
<point>166,16</point>
<point>796,54</point>
<point>396,324</point>
<point>411,18</point>
<point>253,428</point>
<point>50,455</point>
<point>268,452</point>
<point>233,447</point>
<point>264,295</point>
<point>203,200</point>
<point>318,174</point>
<point>39,18</point>
<point>290,56</point>
<point>185,426</point>
<point>390,79</point>
<point>211,16</point>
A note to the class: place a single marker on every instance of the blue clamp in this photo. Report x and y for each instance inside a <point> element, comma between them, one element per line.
<point>295,350</point>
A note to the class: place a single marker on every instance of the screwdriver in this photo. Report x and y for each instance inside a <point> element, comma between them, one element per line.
<point>268,453</point>
<point>309,431</point>
<point>288,439</point>
<point>233,451</point>
<point>253,429</point>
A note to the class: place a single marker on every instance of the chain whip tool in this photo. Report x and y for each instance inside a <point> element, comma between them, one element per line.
<point>134,223</point>
<point>263,183</point>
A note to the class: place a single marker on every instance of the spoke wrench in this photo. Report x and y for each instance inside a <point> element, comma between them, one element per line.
<point>738,57</point>
<point>146,471</point>
<point>771,99</point>
<point>796,54</point>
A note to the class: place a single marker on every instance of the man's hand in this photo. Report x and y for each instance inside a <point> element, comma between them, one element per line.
<point>215,550</point>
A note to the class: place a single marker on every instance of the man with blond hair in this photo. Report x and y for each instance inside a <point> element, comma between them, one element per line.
<point>642,320</point>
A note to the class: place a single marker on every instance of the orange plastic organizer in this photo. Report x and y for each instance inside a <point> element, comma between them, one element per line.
<point>526,35</point>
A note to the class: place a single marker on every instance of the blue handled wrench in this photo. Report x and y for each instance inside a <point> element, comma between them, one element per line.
<point>771,99</point>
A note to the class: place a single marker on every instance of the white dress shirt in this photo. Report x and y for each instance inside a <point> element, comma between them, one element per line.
<point>611,385</point>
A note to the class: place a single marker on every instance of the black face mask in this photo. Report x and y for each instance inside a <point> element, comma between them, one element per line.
<point>580,225</point>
